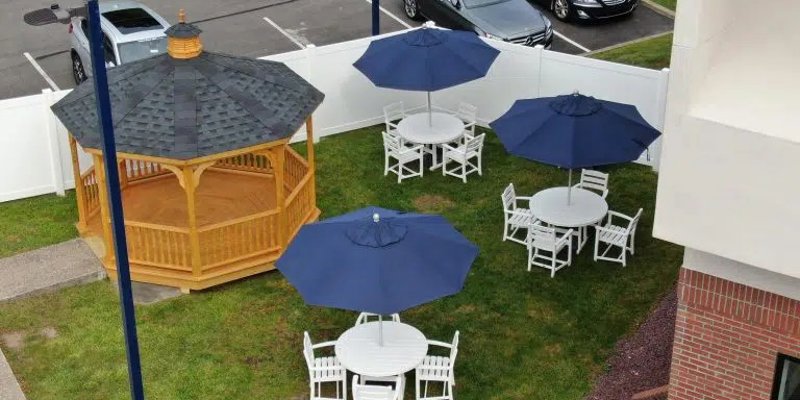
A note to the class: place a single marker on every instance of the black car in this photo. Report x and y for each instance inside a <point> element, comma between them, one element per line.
<point>571,10</point>
<point>514,21</point>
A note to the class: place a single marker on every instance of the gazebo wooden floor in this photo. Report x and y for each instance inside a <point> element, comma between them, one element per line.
<point>221,196</point>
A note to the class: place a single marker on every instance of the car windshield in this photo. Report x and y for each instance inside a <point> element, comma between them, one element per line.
<point>133,51</point>
<point>481,3</point>
<point>132,20</point>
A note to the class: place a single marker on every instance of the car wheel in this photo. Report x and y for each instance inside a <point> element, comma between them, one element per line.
<point>78,73</point>
<point>562,9</point>
<point>412,9</point>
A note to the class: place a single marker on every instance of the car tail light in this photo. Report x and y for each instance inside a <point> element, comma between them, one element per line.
<point>70,27</point>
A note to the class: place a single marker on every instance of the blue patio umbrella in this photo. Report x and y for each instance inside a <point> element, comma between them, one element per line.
<point>426,59</point>
<point>574,131</point>
<point>377,260</point>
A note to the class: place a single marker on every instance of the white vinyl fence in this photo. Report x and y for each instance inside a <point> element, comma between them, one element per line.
<point>35,156</point>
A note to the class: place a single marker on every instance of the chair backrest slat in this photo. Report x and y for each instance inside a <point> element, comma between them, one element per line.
<point>635,221</point>
<point>476,143</point>
<point>509,197</point>
<point>308,352</point>
<point>594,180</point>
<point>393,112</point>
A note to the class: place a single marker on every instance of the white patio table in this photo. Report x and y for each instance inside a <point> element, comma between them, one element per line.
<point>431,129</point>
<point>585,208</point>
<point>404,348</point>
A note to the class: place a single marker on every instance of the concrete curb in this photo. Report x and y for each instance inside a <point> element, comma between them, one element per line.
<point>618,45</point>
<point>659,8</point>
<point>9,387</point>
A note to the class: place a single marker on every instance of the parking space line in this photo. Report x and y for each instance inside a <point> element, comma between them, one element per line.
<point>284,33</point>
<point>570,41</point>
<point>392,16</point>
<point>41,71</point>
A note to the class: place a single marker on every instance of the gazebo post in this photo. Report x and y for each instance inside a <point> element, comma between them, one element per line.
<point>190,186</point>
<point>311,157</point>
<point>80,194</point>
<point>277,159</point>
<point>105,217</point>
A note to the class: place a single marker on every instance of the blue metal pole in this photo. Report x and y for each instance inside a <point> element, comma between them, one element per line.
<point>106,126</point>
<point>376,17</point>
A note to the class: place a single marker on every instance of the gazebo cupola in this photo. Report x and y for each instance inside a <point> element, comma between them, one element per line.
<point>211,190</point>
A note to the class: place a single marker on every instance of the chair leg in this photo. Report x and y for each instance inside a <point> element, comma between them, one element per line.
<point>531,255</point>
<point>553,265</point>
<point>417,379</point>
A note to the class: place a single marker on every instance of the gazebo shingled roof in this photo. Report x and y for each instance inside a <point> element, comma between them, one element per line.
<point>188,108</point>
<point>189,116</point>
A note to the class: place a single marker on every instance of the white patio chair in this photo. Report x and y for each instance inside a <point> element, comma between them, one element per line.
<point>515,218</point>
<point>468,114</point>
<point>544,239</point>
<point>365,317</point>
<point>462,155</point>
<point>323,370</point>
<point>438,369</point>
<point>392,114</point>
<point>595,181</point>
<point>612,235</point>
<point>364,391</point>
<point>404,156</point>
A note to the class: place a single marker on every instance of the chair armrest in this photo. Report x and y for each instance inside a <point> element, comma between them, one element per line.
<point>565,237</point>
<point>520,213</point>
<point>618,214</point>
<point>447,147</point>
<point>414,149</point>
<point>324,344</point>
<point>331,368</point>
<point>439,344</point>
<point>599,229</point>
<point>469,124</point>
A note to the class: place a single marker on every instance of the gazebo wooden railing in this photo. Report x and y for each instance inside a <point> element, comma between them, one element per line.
<point>194,255</point>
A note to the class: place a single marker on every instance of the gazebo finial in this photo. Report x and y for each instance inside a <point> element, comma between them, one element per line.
<point>183,39</point>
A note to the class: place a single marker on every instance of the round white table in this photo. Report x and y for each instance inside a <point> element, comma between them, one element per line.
<point>585,208</point>
<point>434,129</point>
<point>404,348</point>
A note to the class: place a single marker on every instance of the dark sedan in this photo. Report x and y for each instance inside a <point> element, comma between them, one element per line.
<point>514,21</point>
<point>571,10</point>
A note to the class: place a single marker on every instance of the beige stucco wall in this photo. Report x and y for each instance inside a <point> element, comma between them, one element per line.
<point>729,181</point>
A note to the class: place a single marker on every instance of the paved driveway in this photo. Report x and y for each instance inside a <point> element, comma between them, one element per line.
<point>257,28</point>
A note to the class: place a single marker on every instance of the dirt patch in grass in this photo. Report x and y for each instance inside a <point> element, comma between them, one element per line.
<point>641,362</point>
<point>431,203</point>
<point>49,332</point>
<point>13,340</point>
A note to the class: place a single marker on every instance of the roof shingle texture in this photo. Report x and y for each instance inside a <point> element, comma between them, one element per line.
<point>184,109</point>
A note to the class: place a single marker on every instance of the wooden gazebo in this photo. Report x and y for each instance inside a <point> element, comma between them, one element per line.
<point>211,190</point>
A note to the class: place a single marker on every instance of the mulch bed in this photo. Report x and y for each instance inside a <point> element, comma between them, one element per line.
<point>641,361</point>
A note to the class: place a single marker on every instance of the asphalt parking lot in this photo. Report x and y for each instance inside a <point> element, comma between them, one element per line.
<point>34,58</point>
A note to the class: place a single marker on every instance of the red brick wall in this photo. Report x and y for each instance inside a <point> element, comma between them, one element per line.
<point>727,337</point>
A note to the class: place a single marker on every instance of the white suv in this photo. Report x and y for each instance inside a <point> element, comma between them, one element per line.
<point>131,31</point>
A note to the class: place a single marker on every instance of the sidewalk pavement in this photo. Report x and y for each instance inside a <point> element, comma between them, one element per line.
<point>9,387</point>
<point>48,269</point>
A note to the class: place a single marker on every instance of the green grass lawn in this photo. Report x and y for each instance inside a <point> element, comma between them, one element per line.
<point>523,335</point>
<point>37,221</point>
<point>653,53</point>
<point>671,4</point>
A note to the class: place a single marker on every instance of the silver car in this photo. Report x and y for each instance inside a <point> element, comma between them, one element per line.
<point>131,32</point>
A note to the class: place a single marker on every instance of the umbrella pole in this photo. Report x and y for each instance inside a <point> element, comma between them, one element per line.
<point>569,188</point>
<point>430,112</point>
<point>380,330</point>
